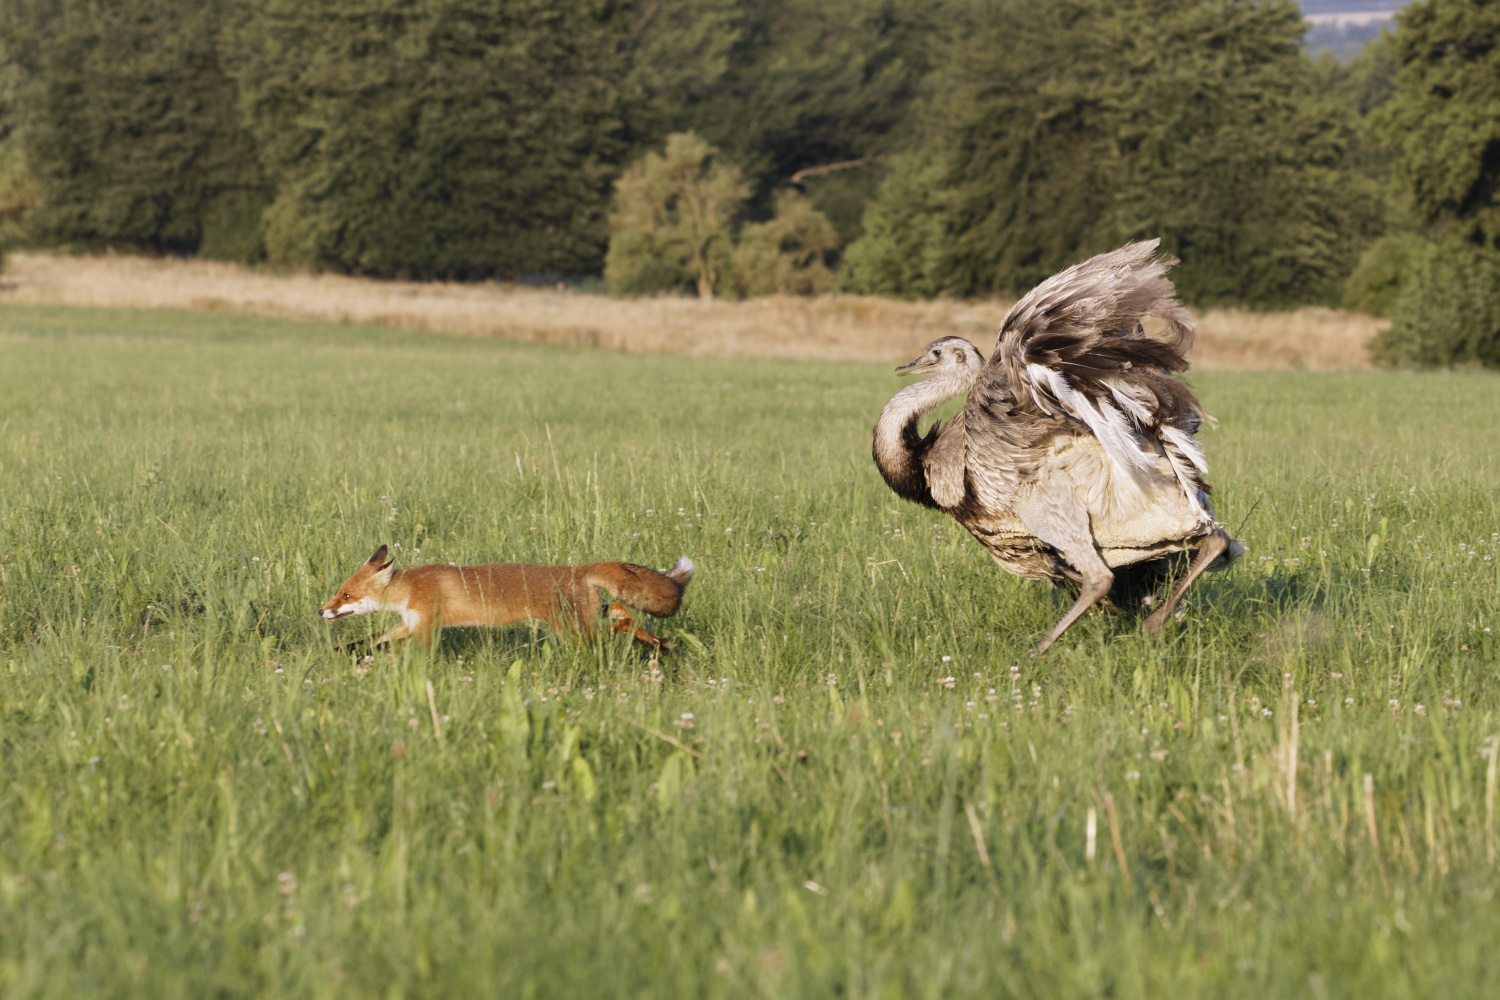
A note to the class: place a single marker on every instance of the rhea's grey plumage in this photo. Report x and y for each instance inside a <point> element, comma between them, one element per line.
<point>1074,456</point>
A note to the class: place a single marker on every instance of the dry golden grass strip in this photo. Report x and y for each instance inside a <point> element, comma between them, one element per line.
<point>834,327</point>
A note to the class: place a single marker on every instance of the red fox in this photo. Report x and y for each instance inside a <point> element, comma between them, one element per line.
<point>505,593</point>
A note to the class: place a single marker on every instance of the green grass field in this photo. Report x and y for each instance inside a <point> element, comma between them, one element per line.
<point>850,780</point>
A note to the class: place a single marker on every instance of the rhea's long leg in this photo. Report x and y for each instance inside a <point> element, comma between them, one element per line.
<point>1056,517</point>
<point>1213,546</point>
<point>1096,583</point>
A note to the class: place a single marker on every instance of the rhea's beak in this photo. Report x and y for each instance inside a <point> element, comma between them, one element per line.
<point>916,367</point>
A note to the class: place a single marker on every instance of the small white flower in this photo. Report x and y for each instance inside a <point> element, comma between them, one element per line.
<point>947,659</point>
<point>1132,776</point>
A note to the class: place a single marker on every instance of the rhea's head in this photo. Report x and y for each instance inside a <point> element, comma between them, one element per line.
<point>952,356</point>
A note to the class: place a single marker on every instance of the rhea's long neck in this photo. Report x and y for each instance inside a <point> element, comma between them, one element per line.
<point>898,448</point>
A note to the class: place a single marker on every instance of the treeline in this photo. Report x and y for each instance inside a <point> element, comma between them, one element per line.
<point>433,138</point>
<point>901,147</point>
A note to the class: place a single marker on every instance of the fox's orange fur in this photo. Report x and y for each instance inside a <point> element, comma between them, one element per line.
<point>428,597</point>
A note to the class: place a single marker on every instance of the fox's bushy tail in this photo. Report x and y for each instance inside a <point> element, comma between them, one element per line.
<point>659,594</point>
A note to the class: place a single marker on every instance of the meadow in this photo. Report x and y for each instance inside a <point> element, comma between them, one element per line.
<point>850,779</point>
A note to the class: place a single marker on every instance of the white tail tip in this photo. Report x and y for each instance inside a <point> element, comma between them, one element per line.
<point>682,572</point>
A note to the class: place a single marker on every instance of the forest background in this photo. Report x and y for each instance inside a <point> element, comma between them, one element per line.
<point>741,147</point>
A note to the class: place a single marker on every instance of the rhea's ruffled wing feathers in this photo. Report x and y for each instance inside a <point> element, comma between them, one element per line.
<point>1089,317</point>
<point>1077,345</point>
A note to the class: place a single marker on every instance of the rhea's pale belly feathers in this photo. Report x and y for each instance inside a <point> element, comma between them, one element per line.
<point>1131,518</point>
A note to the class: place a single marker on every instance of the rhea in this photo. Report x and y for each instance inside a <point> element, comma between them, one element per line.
<point>1074,458</point>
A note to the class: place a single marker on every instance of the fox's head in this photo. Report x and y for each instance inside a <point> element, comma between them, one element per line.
<point>360,594</point>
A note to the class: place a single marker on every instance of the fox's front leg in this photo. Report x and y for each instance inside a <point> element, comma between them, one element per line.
<point>620,621</point>
<point>392,634</point>
<point>418,619</point>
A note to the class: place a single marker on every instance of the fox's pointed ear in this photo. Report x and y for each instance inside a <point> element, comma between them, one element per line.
<point>379,557</point>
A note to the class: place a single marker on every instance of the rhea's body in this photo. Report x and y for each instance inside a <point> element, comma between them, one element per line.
<point>1074,457</point>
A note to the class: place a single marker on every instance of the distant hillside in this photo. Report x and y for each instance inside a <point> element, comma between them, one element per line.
<point>1321,8</point>
<point>1344,26</point>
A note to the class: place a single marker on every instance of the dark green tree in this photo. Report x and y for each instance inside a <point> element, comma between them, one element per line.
<point>904,247</point>
<point>1239,160</point>
<point>1448,309</point>
<point>452,138</point>
<point>1066,128</point>
<point>1441,129</point>
<point>18,192</point>
<point>130,128</point>
<point>808,83</point>
<point>1442,126</point>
